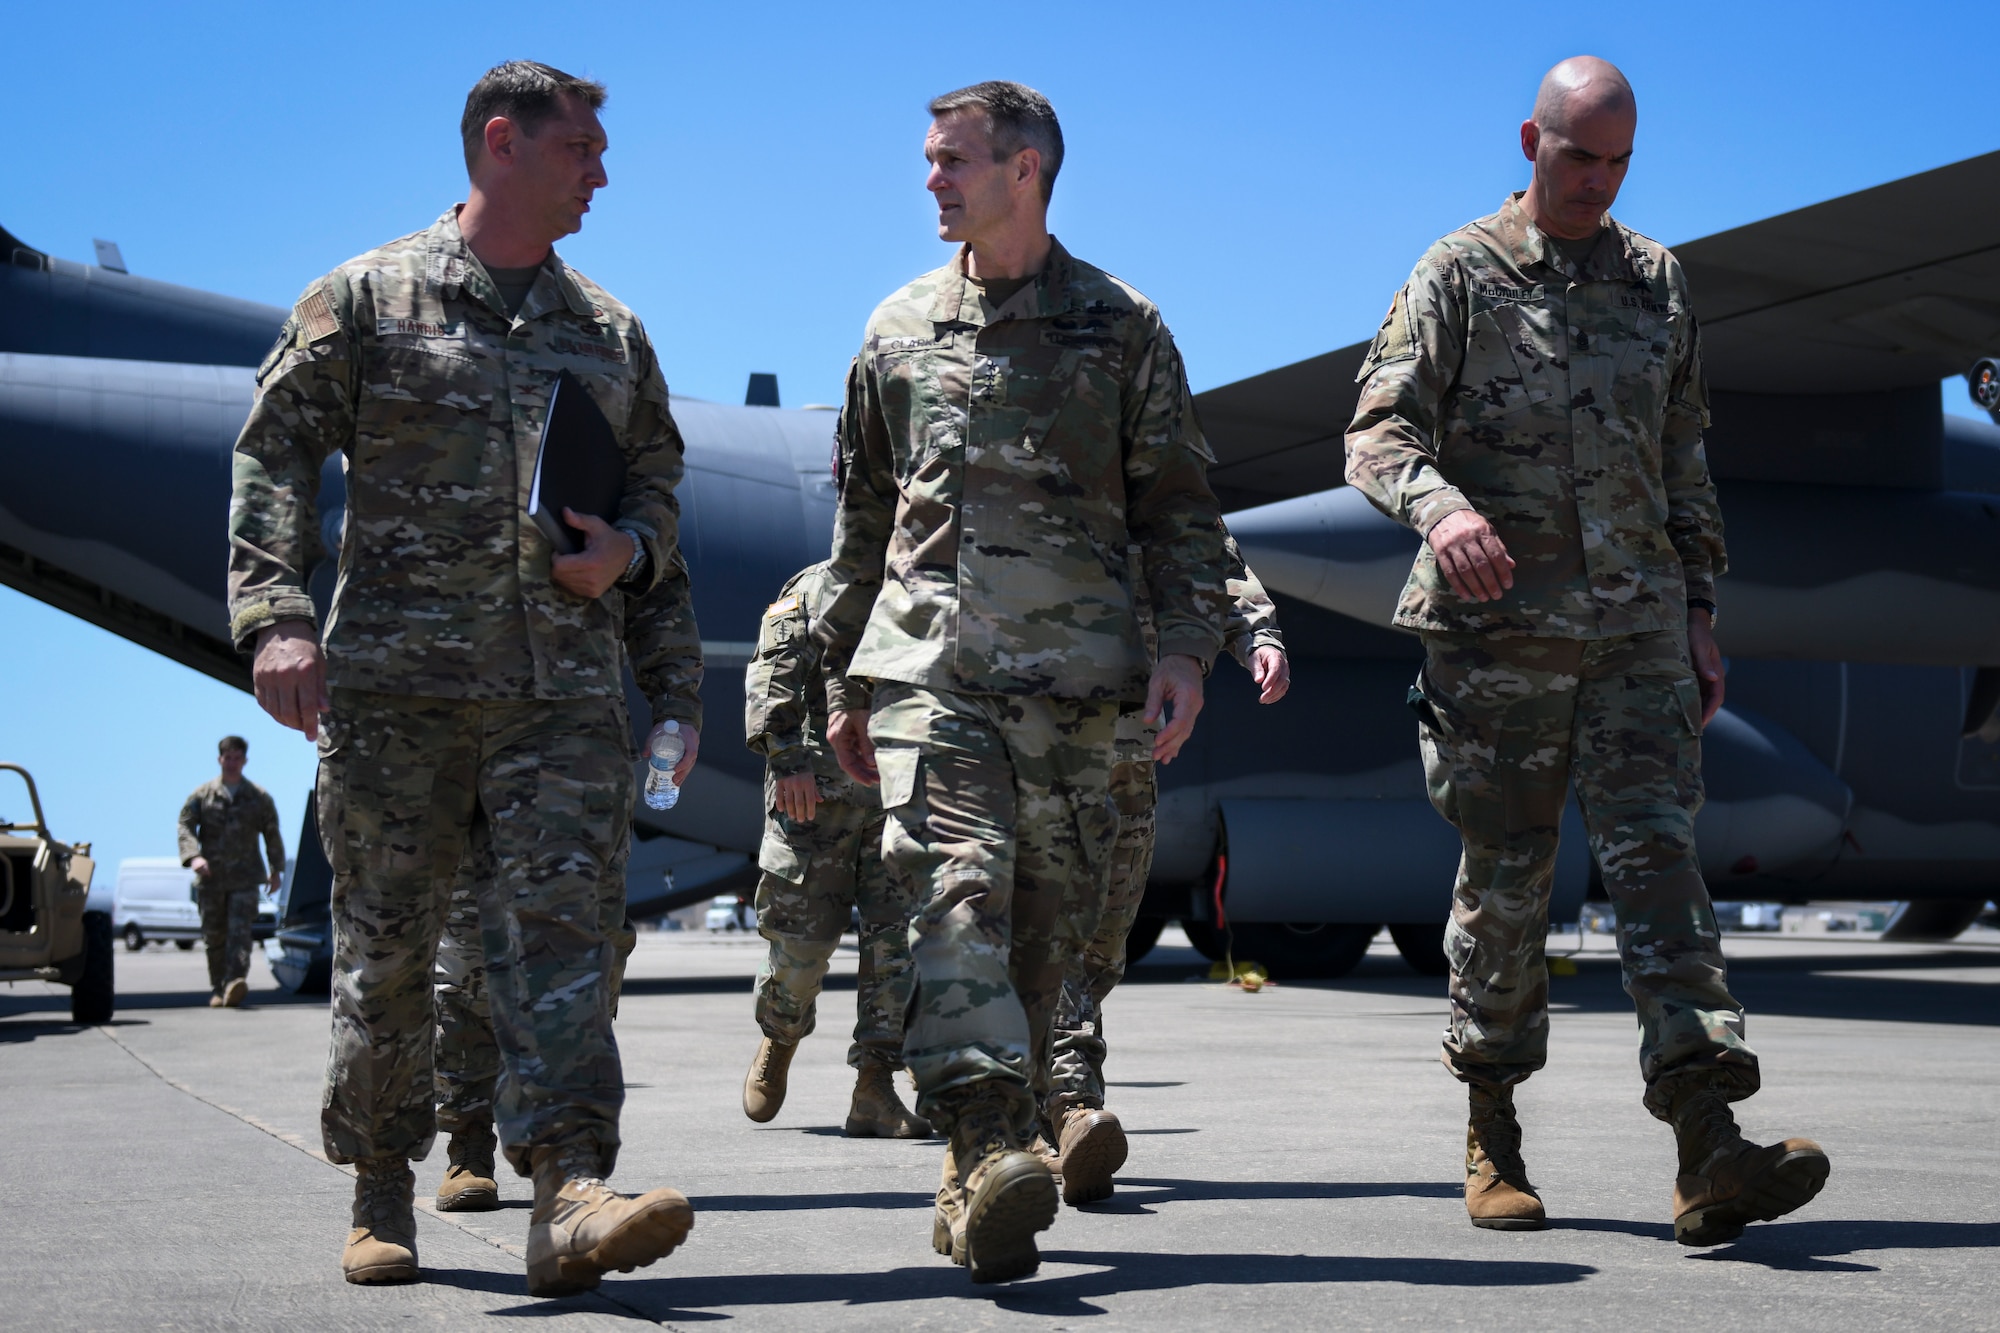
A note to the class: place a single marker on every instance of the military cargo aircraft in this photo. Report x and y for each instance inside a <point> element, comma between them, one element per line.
<point>1859,754</point>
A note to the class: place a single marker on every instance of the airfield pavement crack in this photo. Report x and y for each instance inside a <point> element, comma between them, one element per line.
<point>295,1141</point>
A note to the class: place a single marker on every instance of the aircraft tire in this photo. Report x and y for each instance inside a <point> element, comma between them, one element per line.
<point>93,996</point>
<point>1932,920</point>
<point>1206,939</point>
<point>1422,947</point>
<point>1145,934</point>
<point>1302,951</point>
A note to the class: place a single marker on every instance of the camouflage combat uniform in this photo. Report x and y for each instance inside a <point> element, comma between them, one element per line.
<point>997,461</point>
<point>1076,1077</point>
<point>467,687</point>
<point>1565,404</point>
<point>664,644</point>
<point>224,830</point>
<point>816,873</point>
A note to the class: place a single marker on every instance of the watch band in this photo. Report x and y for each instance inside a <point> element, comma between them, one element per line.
<point>638,560</point>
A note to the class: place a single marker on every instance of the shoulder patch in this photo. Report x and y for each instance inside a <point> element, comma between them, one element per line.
<point>315,316</point>
<point>784,606</point>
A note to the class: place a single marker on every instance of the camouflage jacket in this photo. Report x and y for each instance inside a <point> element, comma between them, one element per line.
<point>664,644</point>
<point>226,830</point>
<point>784,713</point>
<point>1251,621</point>
<point>1566,407</point>
<point>996,461</point>
<point>403,361</point>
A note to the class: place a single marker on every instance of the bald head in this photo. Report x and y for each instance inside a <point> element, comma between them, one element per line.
<point>1582,87</point>
<point>1580,140</point>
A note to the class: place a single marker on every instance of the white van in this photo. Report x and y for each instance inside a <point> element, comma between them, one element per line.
<point>155,900</point>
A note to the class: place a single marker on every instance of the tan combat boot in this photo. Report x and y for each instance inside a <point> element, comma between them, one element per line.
<point>1008,1195</point>
<point>764,1085</point>
<point>1090,1147</point>
<point>1727,1182</point>
<point>948,1216</point>
<point>234,992</point>
<point>1497,1193</point>
<point>582,1229</point>
<point>876,1111</point>
<point>383,1245</point>
<point>469,1186</point>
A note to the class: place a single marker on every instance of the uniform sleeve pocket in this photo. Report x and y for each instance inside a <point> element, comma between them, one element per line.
<point>898,768</point>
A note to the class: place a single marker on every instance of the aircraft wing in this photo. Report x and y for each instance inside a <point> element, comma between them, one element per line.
<point>1825,332</point>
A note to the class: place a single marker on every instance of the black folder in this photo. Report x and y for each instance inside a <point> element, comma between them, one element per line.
<point>578,466</point>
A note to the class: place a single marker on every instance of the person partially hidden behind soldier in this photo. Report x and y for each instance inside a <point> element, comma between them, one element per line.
<point>821,860</point>
<point>220,826</point>
<point>471,674</point>
<point>1533,407</point>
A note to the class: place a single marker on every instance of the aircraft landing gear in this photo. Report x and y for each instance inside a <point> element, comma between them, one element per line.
<point>1422,947</point>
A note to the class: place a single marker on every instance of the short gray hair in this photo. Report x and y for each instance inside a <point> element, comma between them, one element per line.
<point>528,93</point>
<point>1017,117</point>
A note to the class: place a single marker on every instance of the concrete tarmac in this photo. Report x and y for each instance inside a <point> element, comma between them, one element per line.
<point>1296,1163</point>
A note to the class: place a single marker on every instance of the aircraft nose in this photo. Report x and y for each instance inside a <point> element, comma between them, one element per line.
<point>1332,549</point>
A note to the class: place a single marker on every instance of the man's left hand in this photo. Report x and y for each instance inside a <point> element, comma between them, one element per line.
<point>1707,662</point>
<point>1176,682</point>
<point>690,737</point>
<point>277,878</point>
<point>1272,671</point>
<point>591,572</point>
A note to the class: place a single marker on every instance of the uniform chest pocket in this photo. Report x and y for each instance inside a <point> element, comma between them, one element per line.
<point>1515,353</point>
<point>420,431</point>
<point>1647,332</point>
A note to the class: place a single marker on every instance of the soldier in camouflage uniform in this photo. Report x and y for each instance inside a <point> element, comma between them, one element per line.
<point>822,860</point>
<point>220,825</point>
<point>1533,407</point>
<point>664,645</point>
<point>1084,1139</point>
<point>471,675</point>
<point>1015,420</point>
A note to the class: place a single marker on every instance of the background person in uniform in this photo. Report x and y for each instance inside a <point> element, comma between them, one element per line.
<point>1533,407</point>
<point>1085,1139</point>
<point>220,825</point>
<point>821,861</point>
<point>474,674</point>
<point>1015,420</point>
<point>663,643</point>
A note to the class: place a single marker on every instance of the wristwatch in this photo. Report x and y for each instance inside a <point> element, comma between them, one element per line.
<point>1705,605</point>
<point>637,563</point>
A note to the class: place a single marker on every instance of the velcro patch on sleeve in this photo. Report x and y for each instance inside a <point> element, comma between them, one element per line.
<point>315,316</point>
<point>784,606</point>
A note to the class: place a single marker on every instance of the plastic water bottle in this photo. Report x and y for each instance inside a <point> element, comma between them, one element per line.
<point>666,749</point>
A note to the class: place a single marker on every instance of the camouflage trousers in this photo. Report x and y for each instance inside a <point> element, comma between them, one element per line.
<point>228,928</point>
<point>466,1070</point>
<point>404,780</point>
<point>1076,1075</point>
<point>1508,724</point>
<point>815,876</point>
<point>997,819</point>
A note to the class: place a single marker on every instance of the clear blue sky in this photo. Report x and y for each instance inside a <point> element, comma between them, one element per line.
<point>1266,172</point>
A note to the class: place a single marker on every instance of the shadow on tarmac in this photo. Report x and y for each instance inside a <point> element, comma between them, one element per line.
<point>1122,1273</point>
<point>1808,985</point>
<point>1808,1246</point>
<point>1138,1195</point>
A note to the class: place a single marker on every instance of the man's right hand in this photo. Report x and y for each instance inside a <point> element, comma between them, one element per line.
<point>290,675</point>
<point>1469,551</point>
<point>200,867</point>
<point>847,732</point>
<point>798,797</point>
